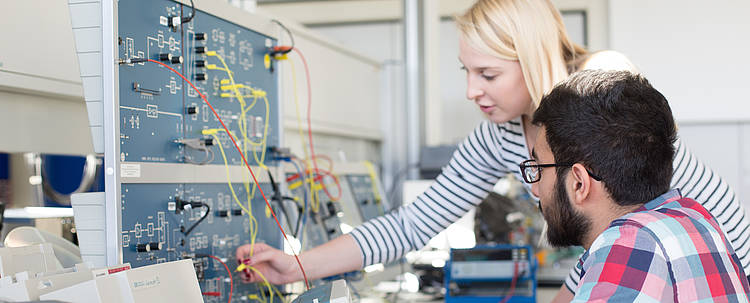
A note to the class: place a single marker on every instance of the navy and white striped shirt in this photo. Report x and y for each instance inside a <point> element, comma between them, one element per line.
<point>494,150</point>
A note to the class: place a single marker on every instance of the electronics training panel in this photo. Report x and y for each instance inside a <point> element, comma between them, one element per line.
<point>176,187</point>
<point>166,131</point>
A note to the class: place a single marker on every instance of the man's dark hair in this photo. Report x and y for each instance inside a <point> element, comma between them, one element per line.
<point>618,126</point>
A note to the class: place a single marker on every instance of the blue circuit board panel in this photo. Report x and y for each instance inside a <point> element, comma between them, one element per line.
<point>160,112</point>
<point>369,205</point>
<point>158,108</point>
<point>149,220</point>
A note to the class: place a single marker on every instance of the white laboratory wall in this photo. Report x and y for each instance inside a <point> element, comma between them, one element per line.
<point>382,41</point>
<point>694,52</point>
<point>345,87</point>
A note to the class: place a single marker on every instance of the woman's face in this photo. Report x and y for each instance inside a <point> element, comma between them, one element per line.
<point>497,86</point>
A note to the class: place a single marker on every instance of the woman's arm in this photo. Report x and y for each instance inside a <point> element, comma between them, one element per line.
<point>476,166</point>
<point>478,163</point>
<point>337,256</point>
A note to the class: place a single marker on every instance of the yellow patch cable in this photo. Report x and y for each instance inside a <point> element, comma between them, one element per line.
<point>214,67</point>
<point>231,84</point>
<point>243,120</point>
<point>271,288</point>
<point>253,222</point>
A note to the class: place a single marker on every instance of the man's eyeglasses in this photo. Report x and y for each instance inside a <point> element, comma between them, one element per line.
<point>532,171</point>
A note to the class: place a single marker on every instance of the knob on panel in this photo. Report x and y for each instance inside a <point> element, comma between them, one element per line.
<point>143,247</point>
<point>154,246</point>
<point>176,60</point>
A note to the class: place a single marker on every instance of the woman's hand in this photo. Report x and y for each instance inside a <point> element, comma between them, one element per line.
<point>337,256</point>
<point>276,266</point>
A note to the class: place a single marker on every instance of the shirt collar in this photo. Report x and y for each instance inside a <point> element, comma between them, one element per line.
<point>665,198</point>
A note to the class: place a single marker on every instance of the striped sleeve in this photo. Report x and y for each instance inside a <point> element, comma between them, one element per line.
<point>699,182</point>
<point>478,163</point>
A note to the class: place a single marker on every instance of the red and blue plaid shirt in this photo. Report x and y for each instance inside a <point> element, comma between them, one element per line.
<point>669,250</point>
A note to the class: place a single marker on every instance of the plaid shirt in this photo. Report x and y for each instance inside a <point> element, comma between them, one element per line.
<point>669,250</point>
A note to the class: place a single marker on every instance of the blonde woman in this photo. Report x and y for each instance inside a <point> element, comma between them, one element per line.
<point>513,51</point>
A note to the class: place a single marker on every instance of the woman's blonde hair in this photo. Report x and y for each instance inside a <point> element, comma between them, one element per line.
<point>530,31</point>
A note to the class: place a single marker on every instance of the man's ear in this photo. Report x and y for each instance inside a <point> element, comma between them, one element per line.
<point>579,184</point>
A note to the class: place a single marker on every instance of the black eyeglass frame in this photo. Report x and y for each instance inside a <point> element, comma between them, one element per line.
<point>525,164</point>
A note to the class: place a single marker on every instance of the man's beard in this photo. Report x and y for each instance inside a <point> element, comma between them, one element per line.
<point>566,226</point>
